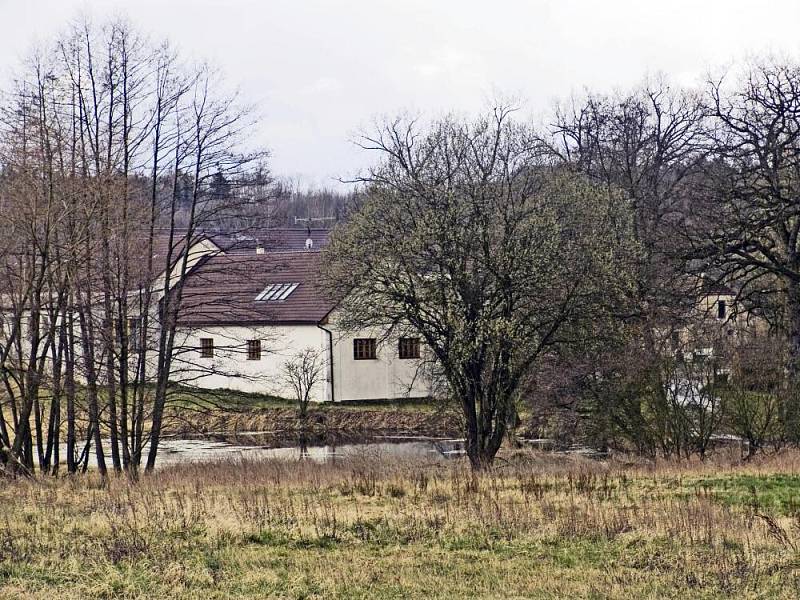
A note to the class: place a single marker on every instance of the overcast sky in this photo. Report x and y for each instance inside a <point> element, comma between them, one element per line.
<point>322,70</point>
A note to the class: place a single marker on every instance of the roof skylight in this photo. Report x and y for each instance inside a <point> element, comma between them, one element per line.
<point>276,292</point>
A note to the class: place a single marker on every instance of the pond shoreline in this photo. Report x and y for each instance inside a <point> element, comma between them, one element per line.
<point>344,421</point>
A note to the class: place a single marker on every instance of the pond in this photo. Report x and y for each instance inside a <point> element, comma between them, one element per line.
<point>174,451</point>
<point>258,446</point>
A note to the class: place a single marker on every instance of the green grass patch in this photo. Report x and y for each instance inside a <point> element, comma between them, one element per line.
<point>778,493</point>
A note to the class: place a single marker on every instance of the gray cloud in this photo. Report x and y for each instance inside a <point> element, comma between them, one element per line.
<point>320,70</point>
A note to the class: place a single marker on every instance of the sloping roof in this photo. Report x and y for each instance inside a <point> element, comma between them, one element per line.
<point>161,247</point>
<point>243,242</point>
<point>223,289</point>
<point>713,286</point>
<point>272,239</point>
<point>137,253</point>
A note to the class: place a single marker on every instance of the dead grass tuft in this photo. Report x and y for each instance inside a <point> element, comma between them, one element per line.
<point>535,526</point>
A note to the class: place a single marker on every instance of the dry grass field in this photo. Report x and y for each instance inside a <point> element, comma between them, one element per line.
<point>537,526</point>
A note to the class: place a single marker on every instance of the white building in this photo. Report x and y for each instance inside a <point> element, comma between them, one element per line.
<point>251,304</point>
<point>248,311</point>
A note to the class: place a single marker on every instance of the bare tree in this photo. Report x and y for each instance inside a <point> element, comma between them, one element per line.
<point>649,142</point>
<point>302,372</point>
<point>747,227</point>
<point>756,391</point>
<point>467,238</point>
<point>101,128</point>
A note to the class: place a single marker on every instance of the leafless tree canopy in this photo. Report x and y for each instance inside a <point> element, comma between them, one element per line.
<point>469,238</point>
<point>115,158</point>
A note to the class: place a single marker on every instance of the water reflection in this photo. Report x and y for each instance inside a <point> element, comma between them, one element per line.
<point>264,446</point>
<point>175,451</point>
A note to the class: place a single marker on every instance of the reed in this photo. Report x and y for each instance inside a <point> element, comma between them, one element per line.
<point>535,526</point>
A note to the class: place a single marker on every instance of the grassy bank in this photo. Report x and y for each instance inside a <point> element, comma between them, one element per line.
<point>533,528</point>
<point>229,412</point>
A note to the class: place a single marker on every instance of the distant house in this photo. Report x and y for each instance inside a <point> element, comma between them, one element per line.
<point>249,309</point>
<point>250,303</point>
<point>717,303</point>
<point>714,326</point>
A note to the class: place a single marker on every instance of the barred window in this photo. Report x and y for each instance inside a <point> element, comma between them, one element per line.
<point>206,347</point>
<point>365,349</point>
<point>408,348</point>
<point>253,349</point>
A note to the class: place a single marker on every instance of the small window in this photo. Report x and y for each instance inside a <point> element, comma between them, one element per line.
<point>207,347</point>
<point>721,309</point>
<point>365,349</point>
<point>253,349</point>
<point>409,348</point>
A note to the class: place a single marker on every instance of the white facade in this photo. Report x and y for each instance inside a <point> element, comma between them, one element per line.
<point>385,377</point>
<point>344,377</point>
<point>231,368</point>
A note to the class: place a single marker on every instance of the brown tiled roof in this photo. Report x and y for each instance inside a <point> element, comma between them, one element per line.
<point>711,286</point>
<point>161,247</point>
<point>244,242</point>
<point>223,289</point>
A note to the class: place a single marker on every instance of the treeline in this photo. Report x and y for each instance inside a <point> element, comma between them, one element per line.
<point>115,156</point>
<point>630,273</point>
<point>710,348</point>
<point>315,208</point>
<point>577,269</point>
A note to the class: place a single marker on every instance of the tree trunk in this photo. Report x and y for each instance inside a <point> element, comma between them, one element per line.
<point>68,341</point>
<point>792,400</point>
<point>485,428</point>
<point>87,333</point>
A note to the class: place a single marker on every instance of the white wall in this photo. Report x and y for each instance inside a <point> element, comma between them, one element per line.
<point>230,367</point>
<point>388,377</point>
